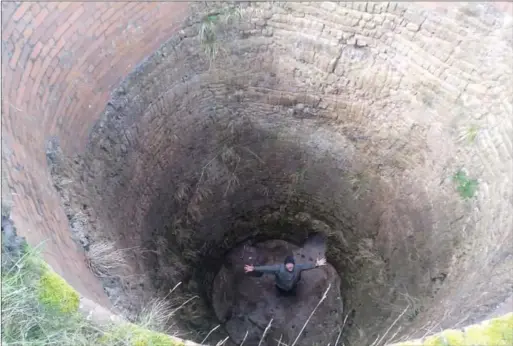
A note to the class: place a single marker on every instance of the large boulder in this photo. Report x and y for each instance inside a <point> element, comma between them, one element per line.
<point>245,304</point>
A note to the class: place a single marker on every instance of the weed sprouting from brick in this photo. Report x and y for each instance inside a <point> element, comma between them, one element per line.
<point>466,187</point>
<point>468,134</point>
<point>210,26</point>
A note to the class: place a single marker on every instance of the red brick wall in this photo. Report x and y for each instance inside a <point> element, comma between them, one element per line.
<point>60,60</point>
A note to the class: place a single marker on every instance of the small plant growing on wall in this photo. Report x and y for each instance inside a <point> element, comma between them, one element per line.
<point>360,183</point>
<point>468,134</point>
<point>465,186</point>
<point>210,27</point>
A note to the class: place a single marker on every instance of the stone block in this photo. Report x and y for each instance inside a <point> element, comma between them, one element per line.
<point>476,89</point>
<point>412,27</point>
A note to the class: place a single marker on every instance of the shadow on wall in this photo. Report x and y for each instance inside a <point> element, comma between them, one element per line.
<point>323,116</point>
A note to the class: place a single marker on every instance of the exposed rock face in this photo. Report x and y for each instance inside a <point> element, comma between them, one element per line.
<point>247,303</point>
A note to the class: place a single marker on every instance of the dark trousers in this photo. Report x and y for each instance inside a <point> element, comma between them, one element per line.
<point>290,293</point>
<point>283,293</point>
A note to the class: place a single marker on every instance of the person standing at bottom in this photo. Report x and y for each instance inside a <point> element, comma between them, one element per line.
<point>287,275</point>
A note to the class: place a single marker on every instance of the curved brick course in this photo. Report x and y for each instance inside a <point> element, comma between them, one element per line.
<point>59,63</point>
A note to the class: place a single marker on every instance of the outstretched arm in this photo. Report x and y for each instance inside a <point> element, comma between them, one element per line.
<point>307,266</point>
<point>268,269</point>
<point>262,269</point>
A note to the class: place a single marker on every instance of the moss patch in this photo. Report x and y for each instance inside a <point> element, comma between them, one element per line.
<point>40,308</point>
<point>133,335</point>
<point>446,338</point>
<point>498,331</point>
<point>495,332</point>
<point>56,293</point>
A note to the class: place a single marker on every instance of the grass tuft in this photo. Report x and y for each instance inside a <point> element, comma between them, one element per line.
<point>466,186</point>
<point>104,259</point>
<point>182,191</point>
<point>39,308</point>
<point>208,35</point>
<point>360,183</point>
<point>210,26</point>
<point>468,134</point>
<point>324,296</point>
<point>156,315</point>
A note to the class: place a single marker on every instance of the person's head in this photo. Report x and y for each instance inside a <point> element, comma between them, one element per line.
<point>289,263</point>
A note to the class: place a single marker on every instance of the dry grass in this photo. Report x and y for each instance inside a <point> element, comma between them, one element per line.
<point>295,181</point>
<point>379,340</point>
<point>360,183</point>
<point>211,25</point>
<point>341,329</point>
<point>311,314</point>
<point>231,158</point>
<point>158,313</point>
<point>232,184</point>
<point>468,133</point>
<point>414,304</point>
<point>244,339</point>
<point>222,342</point>
<point>182,191</point>
<point>221,169</point>
<point>201,194</point>
<point>280,343</point>
<point>104,259</point>
<point>366,252</point>
<point>265,332</point>
<point>210,332</point>
<point>183,234</point>
<point>185,305</point>
<point>297,177</point>
<point>427,328</point>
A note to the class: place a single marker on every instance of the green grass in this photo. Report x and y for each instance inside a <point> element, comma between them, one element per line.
<point>494,332</point>
<point>465,186</point>
<point>33,313</point>
<point>41,308</point>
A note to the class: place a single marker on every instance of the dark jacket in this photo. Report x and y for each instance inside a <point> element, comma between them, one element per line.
<point>285,279</point>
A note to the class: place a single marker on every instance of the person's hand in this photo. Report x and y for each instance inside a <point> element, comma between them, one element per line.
<point>320,262</point>
<point>248,268</point>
